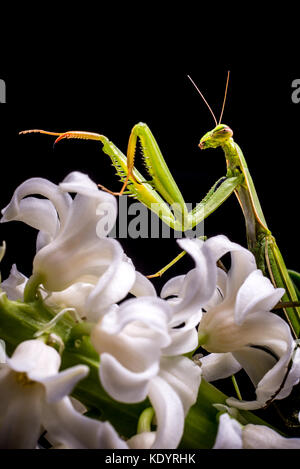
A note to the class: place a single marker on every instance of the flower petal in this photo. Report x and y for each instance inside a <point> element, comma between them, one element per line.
<point>113,285</point>
<point>123,384</point>
<point>74,296</point>
<point>293,376</point>
<point>242,261</point>
<point>219,366</point>
<point>172,286</point>
<point>68,428</point>
<point>90,198</point>
<point>265,298</point>
<point>270,384</point>
<point>14,285</point>
<point>183,339</point>
<point>256,362</point>
<point>18,208</point>
<point>229,434</point>
<point>96,253</point>
<point>143,440</point>
<point>2,352</point>
<point>20,412</point>
<point>220,291</point>
<point>204,260</point>
<point>150,311</point>
<point>262,437</point>
<point>36,359</point>
<point>169,414</point>
<point>199,284</point>
<point>184,376</point>
<point>61,384</point>
<point>142,286</point>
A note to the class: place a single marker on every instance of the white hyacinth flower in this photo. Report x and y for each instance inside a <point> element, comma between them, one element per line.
<point>232,435</point>
<point>237,326</point>
<point>140,356</point>
<point>74,297</point>
<point>33,398</point>
<point>72,244</point>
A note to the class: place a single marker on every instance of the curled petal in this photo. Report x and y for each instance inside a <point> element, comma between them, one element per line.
<point>218,366</point>
<point>61,202</point>
<point>271,382</point>
<point>265,298</point>
<point>205,274</point>
<point>199,284</point>
<point>172,286</point>
<point>169,414</point>
<point>90,199</point>
<point>133,334</point>
<point>293,377</point>
<point>113,285</point>
<point>184,376</point>
<point>142,286</point>
<point>242,261</point>
<point>183,339</point>
<point>150,311</point>
<point>220,291</point>
<point>256,362</point>
<point>123,384</point>
<point>38,213</point>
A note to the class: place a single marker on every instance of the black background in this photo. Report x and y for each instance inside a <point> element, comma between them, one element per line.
<point>110,95</point>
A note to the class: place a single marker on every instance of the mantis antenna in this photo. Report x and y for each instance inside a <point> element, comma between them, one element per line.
<point>225,95</point>
<point>203,99</point>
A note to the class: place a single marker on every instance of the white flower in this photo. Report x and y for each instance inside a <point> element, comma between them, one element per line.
<point>139,357</point>
<point>238,327</point>
<point>2,351</point>
<point>33,398</point>
<point>74,297</point>
<point>232,435</point>
<point>72,247</point>
<point>14,285</point>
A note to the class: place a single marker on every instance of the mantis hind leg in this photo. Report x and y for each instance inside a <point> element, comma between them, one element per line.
<point>164,269</point>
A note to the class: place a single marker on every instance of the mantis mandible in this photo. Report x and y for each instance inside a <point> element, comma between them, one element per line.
<point>162,195</point>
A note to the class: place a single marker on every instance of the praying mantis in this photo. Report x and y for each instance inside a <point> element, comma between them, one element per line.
<point>162,195</point>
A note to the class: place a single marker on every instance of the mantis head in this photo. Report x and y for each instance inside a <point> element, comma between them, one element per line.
<point>216,137</point>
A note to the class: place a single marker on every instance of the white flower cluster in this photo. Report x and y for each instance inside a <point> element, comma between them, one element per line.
<point>142,342</point>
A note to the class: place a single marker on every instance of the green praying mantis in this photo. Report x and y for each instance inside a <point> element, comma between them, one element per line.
<point>162,195</point>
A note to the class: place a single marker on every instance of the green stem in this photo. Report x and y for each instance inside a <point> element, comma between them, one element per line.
<point>145,420</point>
<point>31,288</point>
<point>236,387</point>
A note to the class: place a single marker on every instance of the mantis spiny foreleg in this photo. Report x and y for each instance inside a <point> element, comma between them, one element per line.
<point>161,194</point>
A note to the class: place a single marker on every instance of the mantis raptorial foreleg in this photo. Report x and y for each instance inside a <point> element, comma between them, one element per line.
<point>161,194</point>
